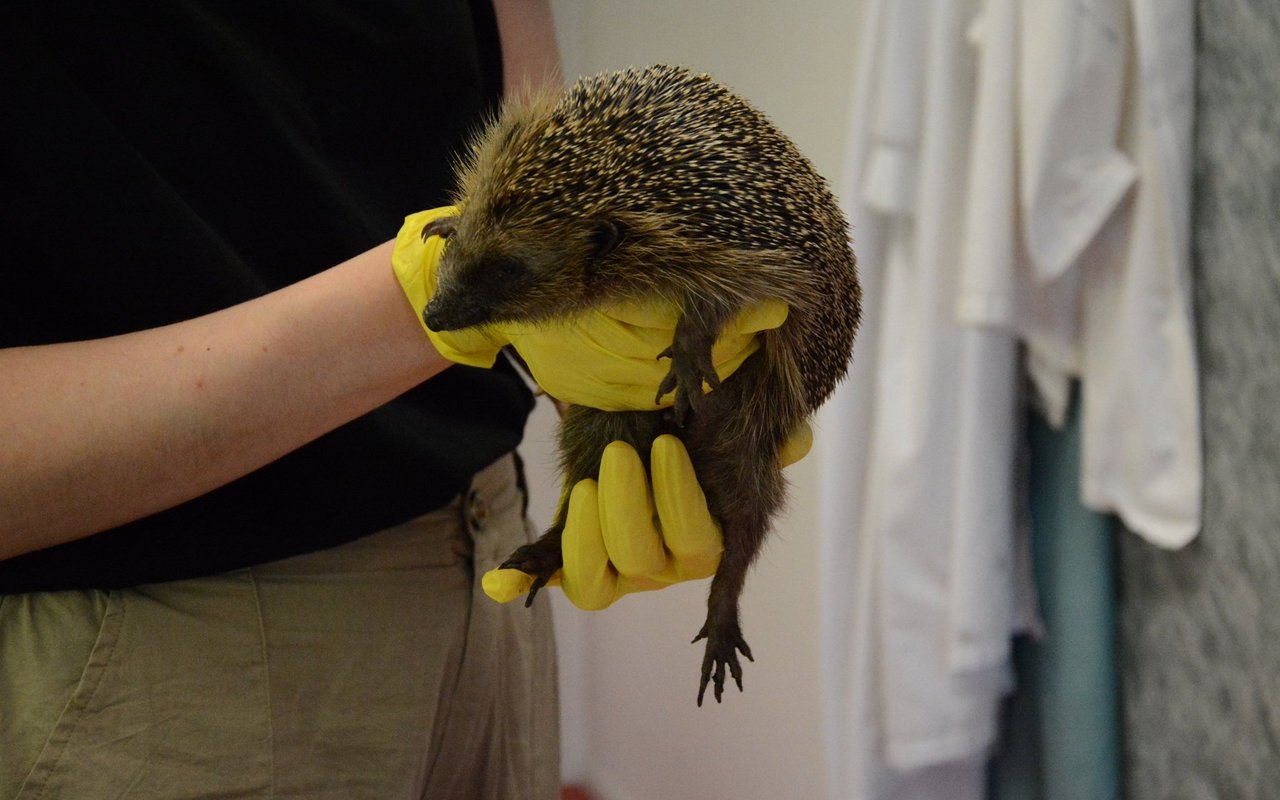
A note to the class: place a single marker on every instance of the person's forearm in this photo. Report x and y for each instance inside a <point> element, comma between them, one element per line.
<point>530,56</point>
<point>95,434</point>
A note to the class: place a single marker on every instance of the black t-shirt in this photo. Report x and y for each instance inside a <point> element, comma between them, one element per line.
<point>159,161</point>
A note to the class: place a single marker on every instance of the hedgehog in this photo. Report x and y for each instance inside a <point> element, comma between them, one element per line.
<point>661,185</point>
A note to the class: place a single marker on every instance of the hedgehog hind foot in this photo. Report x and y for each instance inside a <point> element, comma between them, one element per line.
<point>724,642</point>
<point>691,366</point>
<point>541,560</point>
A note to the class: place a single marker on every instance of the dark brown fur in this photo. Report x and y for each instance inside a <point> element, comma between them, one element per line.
<point>660,184</point>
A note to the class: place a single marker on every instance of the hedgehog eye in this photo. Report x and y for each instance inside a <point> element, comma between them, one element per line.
<point>606,237</point>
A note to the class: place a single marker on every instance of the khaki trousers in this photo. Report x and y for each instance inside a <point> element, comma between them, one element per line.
<point>377,669</point>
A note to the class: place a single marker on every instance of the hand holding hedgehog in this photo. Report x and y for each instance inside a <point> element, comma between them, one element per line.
<point>602,358</point>
<point>611,544</point>
<point>659,186</point>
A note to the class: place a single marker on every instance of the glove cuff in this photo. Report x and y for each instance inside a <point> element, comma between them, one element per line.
<point>415,262</point>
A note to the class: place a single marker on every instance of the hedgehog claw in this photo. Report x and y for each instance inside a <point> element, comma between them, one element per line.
<point>441,226</point>
<point>538,583</point>
<point>684,405</point>
<point>539,560</point>
<point>667,385</point>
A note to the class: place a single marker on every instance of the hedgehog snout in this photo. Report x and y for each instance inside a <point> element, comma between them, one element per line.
<point>441,315</point>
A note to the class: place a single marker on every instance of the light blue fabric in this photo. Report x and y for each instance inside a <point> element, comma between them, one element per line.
<point>1068,700</point>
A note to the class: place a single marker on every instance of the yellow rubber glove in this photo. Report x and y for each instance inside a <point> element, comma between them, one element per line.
<point>604,359</point>
<point>610,545</point>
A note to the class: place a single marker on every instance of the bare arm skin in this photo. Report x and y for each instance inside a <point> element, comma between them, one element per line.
<point>530,56</point>
<point>95,434</point>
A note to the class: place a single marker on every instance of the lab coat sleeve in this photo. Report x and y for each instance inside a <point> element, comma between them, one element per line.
<point>1142,448</point>
<point>1071,84</point>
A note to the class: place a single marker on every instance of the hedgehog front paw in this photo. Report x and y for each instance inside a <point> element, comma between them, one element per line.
<point>722,651</point>
<point>691,366</point>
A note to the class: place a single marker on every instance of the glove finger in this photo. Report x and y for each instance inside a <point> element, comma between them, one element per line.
<point>658,315</point>
<point>797,445</point>
<point>730,350</point>
<point>599,333</point>
<point>763,316</point>
<point>588,580</point>
<point>687,525</point>
<point>505,585</point>
<point>626,513</point>
<point>609,359</point>
<point>588,364</point>
<point>627,584</point>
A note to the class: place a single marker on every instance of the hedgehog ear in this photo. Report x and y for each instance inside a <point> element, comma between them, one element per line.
<point>606,236</point>
<point>441,226</point>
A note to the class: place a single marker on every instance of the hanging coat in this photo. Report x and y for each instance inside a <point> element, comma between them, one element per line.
<point>1009,183</point>
<point>917,673</point>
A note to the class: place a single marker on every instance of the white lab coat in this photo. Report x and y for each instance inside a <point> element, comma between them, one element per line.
<point>922,657</point>
<point>1006,185</point>
<point>1078,237</point>
<point>1141,447</point>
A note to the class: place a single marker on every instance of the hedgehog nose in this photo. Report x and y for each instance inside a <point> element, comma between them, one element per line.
<point>435,317</point>
<point>441,317</point>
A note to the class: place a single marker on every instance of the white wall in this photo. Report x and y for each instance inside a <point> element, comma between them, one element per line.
<point>629,675</point>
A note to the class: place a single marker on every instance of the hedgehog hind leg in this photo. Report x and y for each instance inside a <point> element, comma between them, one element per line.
<point>738,470</point>
<point>744,534</point>
<point>722,630</point>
